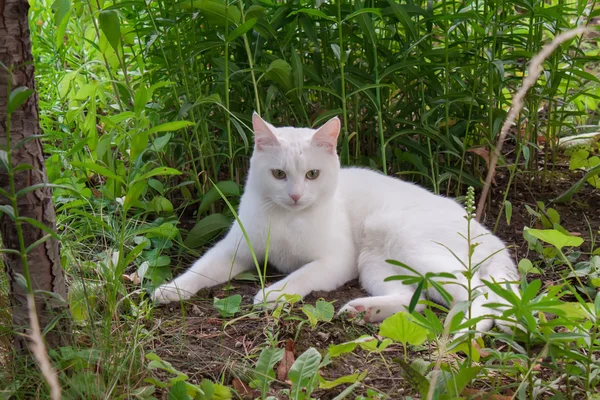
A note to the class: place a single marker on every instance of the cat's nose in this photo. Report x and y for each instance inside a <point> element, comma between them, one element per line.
<point>295,197</point>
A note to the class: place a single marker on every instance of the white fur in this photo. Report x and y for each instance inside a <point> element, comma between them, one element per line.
<point>346,223</point>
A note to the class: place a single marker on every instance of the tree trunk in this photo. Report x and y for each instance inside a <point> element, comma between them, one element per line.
<point>44,260</point>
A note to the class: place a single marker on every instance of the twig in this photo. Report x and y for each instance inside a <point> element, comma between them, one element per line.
<point>38,348</point>
<point>533,73</point>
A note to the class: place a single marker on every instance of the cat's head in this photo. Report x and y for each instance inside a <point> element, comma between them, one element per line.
<point>295,168</point>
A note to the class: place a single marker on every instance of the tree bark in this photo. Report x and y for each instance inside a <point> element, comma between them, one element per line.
<point>44,261</point>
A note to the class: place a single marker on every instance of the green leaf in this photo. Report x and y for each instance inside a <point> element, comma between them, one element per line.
<point>323,311</point>
<point>263,373</point>
<point>526,267</point>
<point>179,392</point>
<point>325,384</point>
<point>241,30</point>
<point>169,127</point>
<point>111,27</point>
<point>280,72</point>
<point>161,204</point>
<point>8,210</point>
<point>348,347</point>
<point>508,211</point>
<point>401,329</point>
<point>98,169</point>
<point>313,13</point>
<point>39,225</point>
<point>566,196</point>
<point>555,238</point>
<point>60,8</point>
<point>228,188</point>
<point>17,97</point>
<point>133,194</point>
<point>228,306</point>
<point>303,374</point>
<point>162,171</point>
<point>460,380</point>
<point>215,11</point>
<point>207,228</point>
<point>375,11</point>
<point>3,161</point>
<point>414,378</point>
<point>140,100</point>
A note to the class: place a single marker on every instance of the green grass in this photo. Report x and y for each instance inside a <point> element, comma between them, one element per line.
<point>418,86</point>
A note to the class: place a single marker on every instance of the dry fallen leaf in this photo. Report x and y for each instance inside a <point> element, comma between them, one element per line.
<point>243,389</point>
<point>481,152</point>
<point>286,362</point>
<point>133,278</point>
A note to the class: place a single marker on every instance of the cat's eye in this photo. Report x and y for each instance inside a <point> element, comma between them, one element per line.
<point>312,174</point>
<point>279,174</point>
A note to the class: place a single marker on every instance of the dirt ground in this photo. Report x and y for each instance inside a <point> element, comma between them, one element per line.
<point>197,341</point>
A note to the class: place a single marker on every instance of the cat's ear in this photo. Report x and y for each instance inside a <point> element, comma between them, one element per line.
<point>327,135</point>
<point>263,135</point>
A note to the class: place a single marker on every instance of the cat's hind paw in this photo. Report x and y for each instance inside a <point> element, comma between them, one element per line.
<point>356,312</point>
<point>169,293</point>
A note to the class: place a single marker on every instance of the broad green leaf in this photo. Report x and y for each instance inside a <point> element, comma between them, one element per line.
<point>228,188</point>
<point>460,380</point>
<point>414,377</point>
<point>526,267</point>
<point>179,392</point>
<point>555,238</point>
<point>60,9</point>
<point>303,374</point>
<point>280,72</point>
<point>263,373</point>
<point>111,27</point>
<point>215,11</point>
<point>207,228</point>
<point>401,329</point>
<point>17,97</point>
<point>228,306</point>
<point>323,311</point>
<point>161,204</point>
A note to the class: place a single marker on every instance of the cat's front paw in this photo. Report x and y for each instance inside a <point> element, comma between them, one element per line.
<point>170,293</point>
<point>270,301</point>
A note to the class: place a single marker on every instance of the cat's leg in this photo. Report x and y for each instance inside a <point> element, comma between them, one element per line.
<point>387,298</point>
<point>324,274</point>
<point>226,259</point>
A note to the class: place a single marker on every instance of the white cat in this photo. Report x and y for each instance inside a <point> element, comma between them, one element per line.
<point>328,225</point>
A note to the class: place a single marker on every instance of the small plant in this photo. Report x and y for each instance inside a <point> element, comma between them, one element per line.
<point>177,386</point>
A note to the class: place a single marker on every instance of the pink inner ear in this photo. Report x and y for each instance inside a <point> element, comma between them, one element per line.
<point>327,135</point>
<point>263,136</point>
